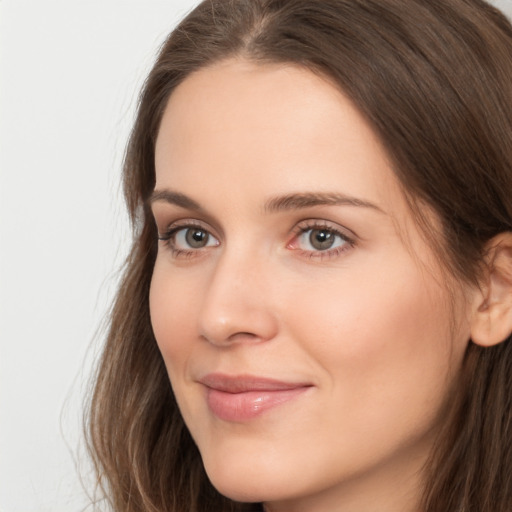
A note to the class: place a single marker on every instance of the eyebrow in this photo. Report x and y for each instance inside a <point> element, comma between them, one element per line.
<point>308,200</point>
<point>274,205</point>
<point>176,198</point>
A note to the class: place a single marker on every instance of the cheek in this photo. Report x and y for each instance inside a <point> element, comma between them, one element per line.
<point>382,341</point>
<point>172,304</point>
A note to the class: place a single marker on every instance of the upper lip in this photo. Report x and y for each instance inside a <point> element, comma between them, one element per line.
<point>245,383</point>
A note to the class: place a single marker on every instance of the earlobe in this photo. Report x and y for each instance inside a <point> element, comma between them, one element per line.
<point>491,321</point>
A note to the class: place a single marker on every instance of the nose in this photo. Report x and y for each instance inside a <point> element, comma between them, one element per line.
<point>237,306</point>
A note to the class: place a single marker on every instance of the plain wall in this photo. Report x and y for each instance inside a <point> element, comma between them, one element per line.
<point>70,71</point>
<point>70,74</point>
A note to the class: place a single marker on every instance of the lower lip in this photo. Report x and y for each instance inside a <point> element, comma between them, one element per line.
<point>239,407</point>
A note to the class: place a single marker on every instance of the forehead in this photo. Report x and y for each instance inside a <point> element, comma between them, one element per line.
<point>268,128</point>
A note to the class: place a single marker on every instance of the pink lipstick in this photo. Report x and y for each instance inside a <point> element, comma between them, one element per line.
<point>242,398</point>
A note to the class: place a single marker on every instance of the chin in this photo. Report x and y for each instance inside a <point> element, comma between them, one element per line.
<point>238,486</point>
<point>247,482</point>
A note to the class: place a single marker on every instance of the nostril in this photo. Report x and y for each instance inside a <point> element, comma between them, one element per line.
<point>235,338</point>
<point>243,336</point>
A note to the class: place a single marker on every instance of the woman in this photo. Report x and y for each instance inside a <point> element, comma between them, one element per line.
<point>321,267</point>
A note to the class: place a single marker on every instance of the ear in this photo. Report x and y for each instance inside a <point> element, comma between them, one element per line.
<point>491,321</point>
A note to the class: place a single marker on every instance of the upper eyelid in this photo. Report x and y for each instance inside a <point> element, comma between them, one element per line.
<point>326,224</point>
<point>169,219</point>
<point>299,227</point>
<point>162,209</point>
<point>159,206</point>
<point>186,223</point>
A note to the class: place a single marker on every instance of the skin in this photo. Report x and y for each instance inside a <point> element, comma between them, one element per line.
<point>369,323</point>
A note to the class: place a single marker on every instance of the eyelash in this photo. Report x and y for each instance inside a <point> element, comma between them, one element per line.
<point>168,238</point>
<point>310,225</point>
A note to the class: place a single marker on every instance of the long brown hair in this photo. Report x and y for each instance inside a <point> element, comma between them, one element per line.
<point>434,80</point>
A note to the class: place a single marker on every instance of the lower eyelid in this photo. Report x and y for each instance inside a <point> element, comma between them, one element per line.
<point>324,255</point>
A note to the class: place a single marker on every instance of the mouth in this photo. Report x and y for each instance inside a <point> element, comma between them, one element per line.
<point>245,397</point>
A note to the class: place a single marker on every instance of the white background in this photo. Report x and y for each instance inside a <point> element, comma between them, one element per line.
<point>70,71</point>
<point>70,74</point>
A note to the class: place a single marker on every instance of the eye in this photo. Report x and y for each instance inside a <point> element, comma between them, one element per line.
<point>319,240</point>
<point>188,239</point>
<point>192,238</point>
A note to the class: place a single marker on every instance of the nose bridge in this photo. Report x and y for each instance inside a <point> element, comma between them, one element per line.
<point>237,305</point>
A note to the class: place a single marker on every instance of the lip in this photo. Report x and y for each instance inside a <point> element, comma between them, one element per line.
<point>241,398</point>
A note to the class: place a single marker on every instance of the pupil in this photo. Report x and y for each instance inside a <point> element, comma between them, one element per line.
<point>196,238</point>
<point>321,239</point>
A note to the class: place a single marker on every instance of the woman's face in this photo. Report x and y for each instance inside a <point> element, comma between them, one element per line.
<point>304,322</point>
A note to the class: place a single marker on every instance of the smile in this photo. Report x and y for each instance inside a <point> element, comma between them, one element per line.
<point>242,398</point>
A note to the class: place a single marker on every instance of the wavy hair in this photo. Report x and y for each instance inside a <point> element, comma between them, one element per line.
<point>434,80</point>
